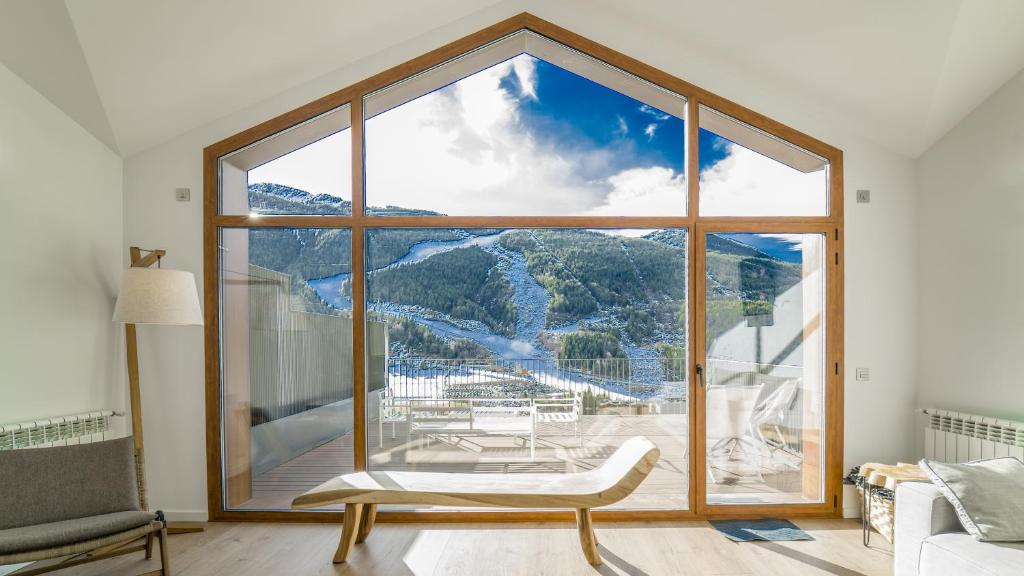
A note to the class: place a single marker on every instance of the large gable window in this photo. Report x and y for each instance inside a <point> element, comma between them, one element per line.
<point>511,255</point>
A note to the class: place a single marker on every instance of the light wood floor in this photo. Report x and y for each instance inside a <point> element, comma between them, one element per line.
<point>633,549</point>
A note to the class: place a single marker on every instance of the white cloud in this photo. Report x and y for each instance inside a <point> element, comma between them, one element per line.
<point>793,242</point>
<point>623,128</point>
<point>651,111</point>
<point>649,131</point>
<point>654,191</point>
<point>462,151</point>
<point>746,183</point>
<point>526,72</point>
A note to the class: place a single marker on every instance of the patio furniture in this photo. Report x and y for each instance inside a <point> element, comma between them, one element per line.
<point>389,412</point>
<point>479,416</point>
<point>730,410</point>
<point>771,414</point>
<point>421,414</point>
<point>362,492</point>
<point>564,412</point>
<point>79,501</point>
<point>469,417</point>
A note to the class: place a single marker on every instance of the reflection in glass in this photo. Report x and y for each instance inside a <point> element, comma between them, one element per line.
<point>286,358</point>
<point>537,350</point>
<point>765,368</point>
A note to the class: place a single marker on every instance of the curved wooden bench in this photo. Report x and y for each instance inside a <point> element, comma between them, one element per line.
<point>361,492</point>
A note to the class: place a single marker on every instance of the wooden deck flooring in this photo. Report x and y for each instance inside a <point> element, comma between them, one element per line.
<point>557,451</point>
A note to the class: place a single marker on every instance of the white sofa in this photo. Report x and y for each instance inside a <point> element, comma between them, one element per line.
<point>930,541</point>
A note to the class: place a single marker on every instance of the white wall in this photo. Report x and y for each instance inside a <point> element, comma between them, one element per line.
<point>971,309</point>
<point>880,239</point>
<point>61,232</point>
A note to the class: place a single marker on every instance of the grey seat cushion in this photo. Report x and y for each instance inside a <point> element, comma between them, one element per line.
<point>958,553</point>
<point>65,532</point>
<point>44,485</point>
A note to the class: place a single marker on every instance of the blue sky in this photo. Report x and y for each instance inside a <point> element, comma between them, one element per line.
<point>526,137</point>
<point>574,111</point>
<point>570,111</point>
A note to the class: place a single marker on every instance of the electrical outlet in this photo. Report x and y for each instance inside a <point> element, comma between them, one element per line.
<point>863,196</point>
<point>863,374</point>
<point>182,194</point>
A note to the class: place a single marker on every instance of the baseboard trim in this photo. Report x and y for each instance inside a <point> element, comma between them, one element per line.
<point>851,502</point>
<point>187,515</point>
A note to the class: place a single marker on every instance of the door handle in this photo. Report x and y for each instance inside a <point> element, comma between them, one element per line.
<point>700,375</point>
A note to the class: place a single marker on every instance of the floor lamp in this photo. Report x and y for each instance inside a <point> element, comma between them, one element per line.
<point>152,296</point>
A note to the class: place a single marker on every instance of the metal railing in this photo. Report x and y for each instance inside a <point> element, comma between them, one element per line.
<point>600,381</point>
<point>606,385</point>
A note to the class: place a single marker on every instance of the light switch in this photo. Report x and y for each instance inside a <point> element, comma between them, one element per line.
<point>863,196</point>
<point>182,194</point>
<point>863,374</point>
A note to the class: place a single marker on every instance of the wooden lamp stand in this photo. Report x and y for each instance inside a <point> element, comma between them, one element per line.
<point>134,391</point>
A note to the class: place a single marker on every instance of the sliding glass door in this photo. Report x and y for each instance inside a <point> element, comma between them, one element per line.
<point>761,370</point>
<point>529,351</point>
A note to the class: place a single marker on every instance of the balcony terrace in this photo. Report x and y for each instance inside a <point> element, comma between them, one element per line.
<point>457,416</point>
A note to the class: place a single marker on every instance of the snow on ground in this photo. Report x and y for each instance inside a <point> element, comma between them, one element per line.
<point>531,300</point>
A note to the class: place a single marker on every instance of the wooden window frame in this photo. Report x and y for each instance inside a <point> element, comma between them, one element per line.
<point>359,222</point>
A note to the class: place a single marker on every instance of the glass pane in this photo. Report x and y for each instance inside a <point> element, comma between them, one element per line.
<point>747,172</point>
<point>765,368</point>
<point>528,351</point>
<point>524,127</point>
<point>286,358</point>
<point>303,170</point>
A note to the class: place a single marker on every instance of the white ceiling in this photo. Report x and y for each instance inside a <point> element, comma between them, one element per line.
<point>139,72</point>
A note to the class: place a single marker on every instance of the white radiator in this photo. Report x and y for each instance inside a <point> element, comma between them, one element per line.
<point>957,437</point>
<point>61,430</point>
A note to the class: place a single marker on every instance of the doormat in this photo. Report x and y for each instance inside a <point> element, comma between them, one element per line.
<point>750,530</point>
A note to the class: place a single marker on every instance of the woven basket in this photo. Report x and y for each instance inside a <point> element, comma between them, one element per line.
<point>883,514</point>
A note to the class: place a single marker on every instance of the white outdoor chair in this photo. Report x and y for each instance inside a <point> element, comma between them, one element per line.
<point>729,419</point>
<point>391,412</point>
<point>770,414</point>
<point>565,412</point>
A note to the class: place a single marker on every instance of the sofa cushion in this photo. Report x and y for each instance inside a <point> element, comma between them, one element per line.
<point>65,532</point>
<point>988,496</point>
<point>921,512</point>
<point>958,553</point>
<point>43,485</point>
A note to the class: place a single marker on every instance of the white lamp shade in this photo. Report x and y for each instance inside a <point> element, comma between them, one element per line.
<point>156,296</point>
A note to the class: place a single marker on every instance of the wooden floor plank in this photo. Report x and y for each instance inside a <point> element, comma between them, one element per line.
<point>632,549</point>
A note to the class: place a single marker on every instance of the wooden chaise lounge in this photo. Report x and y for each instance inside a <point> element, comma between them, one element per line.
<point>607,484</point>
